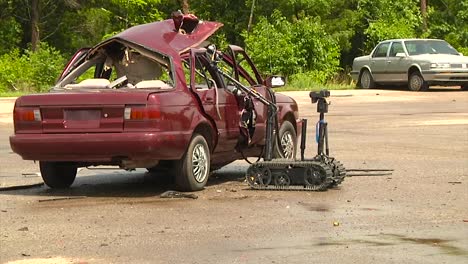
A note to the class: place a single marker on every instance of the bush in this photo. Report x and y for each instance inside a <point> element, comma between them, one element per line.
<point>272,47</point>
<point>31,71</point>
<point>11,71</point>
<point>302,47</point>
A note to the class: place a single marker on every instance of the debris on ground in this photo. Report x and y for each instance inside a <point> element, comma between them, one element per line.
<point>176,194</point>
<point>33,174</point>
<point>24,229</point>
<point>61,199</point>
<point>336,223</point>
<point>21,187</point>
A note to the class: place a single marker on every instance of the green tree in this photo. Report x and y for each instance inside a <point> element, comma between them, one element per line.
<point>448,20</point>
<point>389,19</point>
<point>10,30</point>
<point>288,48</point>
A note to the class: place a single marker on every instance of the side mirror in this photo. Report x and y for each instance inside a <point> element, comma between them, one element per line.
<point>461,54</point>
<point>400,55</point>
<point>275,81</point>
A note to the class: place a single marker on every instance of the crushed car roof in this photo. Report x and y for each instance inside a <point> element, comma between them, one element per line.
<point>163,37</point>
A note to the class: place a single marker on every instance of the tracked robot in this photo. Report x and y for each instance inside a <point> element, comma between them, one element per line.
<point>316,174</point>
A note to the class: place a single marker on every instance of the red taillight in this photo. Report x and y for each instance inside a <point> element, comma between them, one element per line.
<point>142,113</point>
<point>29,114</point>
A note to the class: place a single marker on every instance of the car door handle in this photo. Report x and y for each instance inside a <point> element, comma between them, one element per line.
<point>389,62</point>
<point>209,100</point>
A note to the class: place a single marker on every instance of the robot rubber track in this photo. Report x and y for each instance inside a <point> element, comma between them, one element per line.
<point>294,175</point>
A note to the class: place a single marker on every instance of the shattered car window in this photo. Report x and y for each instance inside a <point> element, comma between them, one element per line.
<point>118,66</point>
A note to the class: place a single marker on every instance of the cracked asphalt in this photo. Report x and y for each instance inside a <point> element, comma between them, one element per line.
<point>417,215</point>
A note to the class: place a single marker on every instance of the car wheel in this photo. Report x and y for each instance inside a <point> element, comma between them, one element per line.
<point>58,175</point>
<point>366,81</point>
<point>193,169</point>
<point>288,140</point>
<point>416,82</point>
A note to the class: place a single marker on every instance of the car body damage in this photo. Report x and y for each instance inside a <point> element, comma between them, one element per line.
<point>148,98</point>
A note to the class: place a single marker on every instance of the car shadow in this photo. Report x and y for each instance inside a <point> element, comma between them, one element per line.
<point>124,184</point>
<point>431,89</point>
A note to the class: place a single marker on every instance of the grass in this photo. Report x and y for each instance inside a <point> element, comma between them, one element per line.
<point>313,81</point>
<point>317,87</point>
<point>12,94</point>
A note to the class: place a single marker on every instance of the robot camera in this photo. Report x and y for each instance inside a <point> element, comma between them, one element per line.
<point>315,96</point>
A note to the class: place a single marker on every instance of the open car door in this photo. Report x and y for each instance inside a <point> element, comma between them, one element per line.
<point>244,71</point>
<point>219,104</point>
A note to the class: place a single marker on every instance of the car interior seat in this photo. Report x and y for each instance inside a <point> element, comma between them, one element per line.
<point>137,68</point>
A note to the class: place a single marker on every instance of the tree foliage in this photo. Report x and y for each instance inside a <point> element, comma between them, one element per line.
<point>298,38</point>
<point>289,48</point>
<point>30,71</point>
<point>389,19</point>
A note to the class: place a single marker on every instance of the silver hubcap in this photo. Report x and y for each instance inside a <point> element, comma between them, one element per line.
<point>365,79</point>
<point>415,83</point>
<point>288,145</point>
<point>199,163</point>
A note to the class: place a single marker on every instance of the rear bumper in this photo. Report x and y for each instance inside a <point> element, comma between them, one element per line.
<point>104,147</point>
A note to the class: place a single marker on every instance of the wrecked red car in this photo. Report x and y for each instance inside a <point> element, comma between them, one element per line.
<point>147,98</point>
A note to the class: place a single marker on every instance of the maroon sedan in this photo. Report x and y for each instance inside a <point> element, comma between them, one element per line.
<point>148,98</point>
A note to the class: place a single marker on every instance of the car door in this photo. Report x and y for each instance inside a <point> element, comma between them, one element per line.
<point>219,104</point>
<point>379,62</point>
<point>396,71</point>
<point>245,72</point>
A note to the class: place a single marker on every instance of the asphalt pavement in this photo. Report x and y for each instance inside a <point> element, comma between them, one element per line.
<point>417,215</point>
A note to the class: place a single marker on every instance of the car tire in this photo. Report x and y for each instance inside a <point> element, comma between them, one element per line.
<point>192,171</point>
<point>417,83</point>
<point>288,140</point>
<point>366,81</point>
<point>58,175</point>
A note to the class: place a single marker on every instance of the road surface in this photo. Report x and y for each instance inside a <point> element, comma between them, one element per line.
<point>417,215</point>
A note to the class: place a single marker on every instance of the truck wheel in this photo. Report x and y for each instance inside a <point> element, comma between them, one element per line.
<point>288,140</point>
<point>193,169</point>
<point>366,81</point>
<point>58,175</point>
<point>416,82</point>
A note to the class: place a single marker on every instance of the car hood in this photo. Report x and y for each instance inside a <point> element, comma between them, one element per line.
<point>365,57</point>
<point>441,58</point>
<point>162,36</point>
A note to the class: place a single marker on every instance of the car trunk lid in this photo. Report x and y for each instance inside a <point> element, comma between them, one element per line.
<point>83,112</point>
